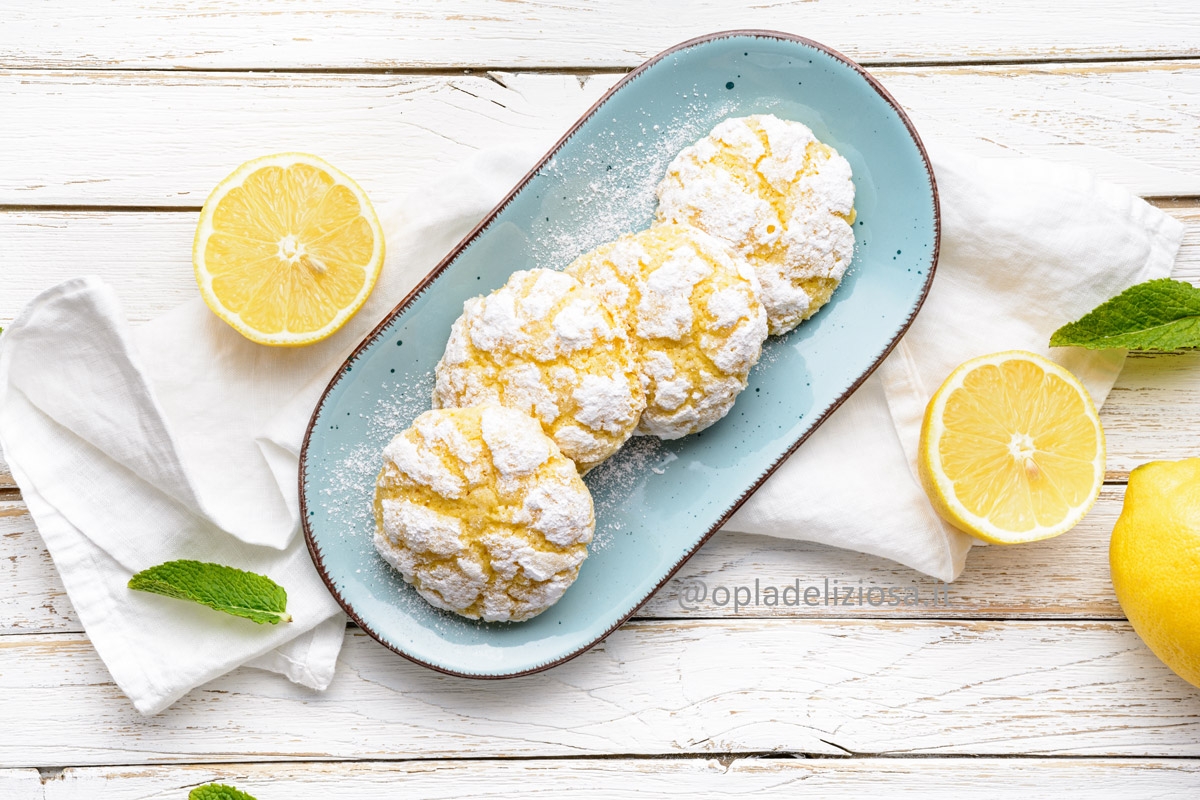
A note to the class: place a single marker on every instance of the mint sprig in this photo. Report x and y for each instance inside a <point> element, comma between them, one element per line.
<point>217,791</point>
<point>1161,314</point>
<point>234,591</point>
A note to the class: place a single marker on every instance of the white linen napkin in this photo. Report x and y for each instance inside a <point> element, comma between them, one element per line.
<point>180,439</point>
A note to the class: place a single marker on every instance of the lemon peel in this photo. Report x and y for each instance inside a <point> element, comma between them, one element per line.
<point>1154,555</point>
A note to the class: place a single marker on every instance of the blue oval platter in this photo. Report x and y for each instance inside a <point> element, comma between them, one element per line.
<point>656,502</point>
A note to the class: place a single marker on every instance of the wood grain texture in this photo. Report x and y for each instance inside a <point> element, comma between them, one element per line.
<point>587,779</point>
<point>1064,578</point>
<point>6,478</point>
<point>33,599</point>
<point>21,784</point>
<point>66,138</point>
<point>377,34</point>
<point>862,687</point>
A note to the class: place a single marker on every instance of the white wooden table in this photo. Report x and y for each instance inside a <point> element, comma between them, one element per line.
<point>117,118</point>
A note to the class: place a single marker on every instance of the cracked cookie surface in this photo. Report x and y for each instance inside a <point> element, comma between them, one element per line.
<point>779,197</point>
<point>691,309</point>
<point>479,510</point>
<point>546,345</point>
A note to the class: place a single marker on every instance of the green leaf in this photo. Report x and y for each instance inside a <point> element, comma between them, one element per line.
<point>217,791</point>
<point>1156,315</point>
<point>234,591</point>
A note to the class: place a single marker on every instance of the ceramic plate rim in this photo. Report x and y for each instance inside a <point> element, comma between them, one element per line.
<point>313,547</point>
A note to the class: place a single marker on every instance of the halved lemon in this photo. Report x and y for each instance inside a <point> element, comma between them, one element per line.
<point>287,249</point>
<point>1011,449</point>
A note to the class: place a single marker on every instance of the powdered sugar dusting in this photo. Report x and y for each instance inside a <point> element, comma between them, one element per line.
<point>517,443</point>
<point>423,467</point>
<point>665,310</point>
<point>621,480</point>
<point>346,498</point>
<point>605,403</point>
<point>619,176</point>
<point>544,344</point>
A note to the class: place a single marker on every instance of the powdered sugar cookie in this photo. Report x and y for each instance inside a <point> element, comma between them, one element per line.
<point>692,310</point>
<point>780,197</point>
<point>544,344</point>
<point>480,511</point>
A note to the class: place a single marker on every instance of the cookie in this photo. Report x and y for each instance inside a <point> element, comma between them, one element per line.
<point>691,309</point>
<point>479,510</point>
<point>546,345</point>
<point>780,198</point>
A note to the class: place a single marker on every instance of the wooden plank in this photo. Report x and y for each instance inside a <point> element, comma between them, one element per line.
<point>1062,578</point>
<point>34,599</point>
<point>377,34</point>
<point>145,256</point>
<point>1129,122</point>
<point>6,478</point>
<point>863,687</point>
<point>1150,413</point>
<point>391,133</point>
<point>850,779</point>
<point>21,784</point>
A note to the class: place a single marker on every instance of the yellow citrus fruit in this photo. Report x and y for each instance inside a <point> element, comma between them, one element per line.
<point>1155,559</point>
<point>287,249</point>
<point>1011,449</point>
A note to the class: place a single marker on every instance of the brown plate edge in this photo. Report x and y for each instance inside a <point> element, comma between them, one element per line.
<point>314,549</point>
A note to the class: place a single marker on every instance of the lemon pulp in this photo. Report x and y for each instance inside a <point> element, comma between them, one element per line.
<point>287,249</point>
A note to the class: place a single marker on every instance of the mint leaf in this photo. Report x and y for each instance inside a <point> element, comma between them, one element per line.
<point>1156,315</point>
<point>217,791</point>
<point>234,591</point>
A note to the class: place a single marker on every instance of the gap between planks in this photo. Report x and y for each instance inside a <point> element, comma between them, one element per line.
<point>485,70</point>
<point>1175,202</point>
<point>715,775</point>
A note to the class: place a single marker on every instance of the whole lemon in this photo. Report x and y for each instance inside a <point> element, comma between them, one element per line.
<point>1155,559</point>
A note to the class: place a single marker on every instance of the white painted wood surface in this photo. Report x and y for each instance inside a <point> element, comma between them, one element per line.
<point>378,34</point>
<point>828,687</point>
<point>165,139</point>
<point>116,121</point>
<point>832,778</point>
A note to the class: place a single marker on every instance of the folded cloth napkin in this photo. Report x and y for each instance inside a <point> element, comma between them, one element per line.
<point>180,439</point>
<point>1027,246</point>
